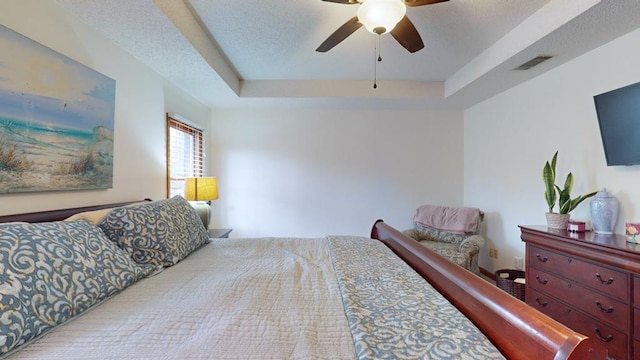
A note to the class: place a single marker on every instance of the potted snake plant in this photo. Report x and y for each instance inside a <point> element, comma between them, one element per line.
<point>553,193</point>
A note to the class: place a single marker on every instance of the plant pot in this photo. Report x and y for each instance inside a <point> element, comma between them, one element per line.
<point>557,221</point>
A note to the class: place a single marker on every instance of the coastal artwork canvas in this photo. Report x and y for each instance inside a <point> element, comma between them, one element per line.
<point>56,120</point>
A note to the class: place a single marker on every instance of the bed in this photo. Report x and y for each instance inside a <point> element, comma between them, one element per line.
<point>337,297</point>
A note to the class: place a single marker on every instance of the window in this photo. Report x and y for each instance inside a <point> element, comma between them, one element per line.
<point>184,154</point>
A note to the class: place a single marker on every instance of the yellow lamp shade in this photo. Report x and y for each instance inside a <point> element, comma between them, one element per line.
<point>201,189</point>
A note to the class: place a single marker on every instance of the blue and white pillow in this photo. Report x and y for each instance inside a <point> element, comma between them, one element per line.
<point>159,233</point>
<point>51,272</point>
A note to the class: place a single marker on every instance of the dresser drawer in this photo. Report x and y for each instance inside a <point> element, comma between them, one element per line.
<point>599,306</point>
<point>613,283</point>
<point>636,291</point>
<point>615,342</point>
<point>548,305</point>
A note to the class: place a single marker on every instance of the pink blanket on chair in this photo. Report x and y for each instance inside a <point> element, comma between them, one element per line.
<point>457,220</point>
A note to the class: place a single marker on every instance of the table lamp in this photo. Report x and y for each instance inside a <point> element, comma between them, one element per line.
<point>201,189</point>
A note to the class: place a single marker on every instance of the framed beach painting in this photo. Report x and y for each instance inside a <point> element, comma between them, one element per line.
<point>56,120</point>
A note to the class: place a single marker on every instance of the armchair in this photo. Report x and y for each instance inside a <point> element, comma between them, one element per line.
<point>450,232</point>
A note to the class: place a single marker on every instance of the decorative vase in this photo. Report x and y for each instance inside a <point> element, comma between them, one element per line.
<point>604,212</point>
<point>557,221</point>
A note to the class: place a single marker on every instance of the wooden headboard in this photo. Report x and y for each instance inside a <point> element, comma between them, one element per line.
<point>516,329</point>
<point>59,215</point>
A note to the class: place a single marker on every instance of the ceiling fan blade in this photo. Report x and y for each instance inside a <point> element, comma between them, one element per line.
<point>348,2</point>
<point>407,35</point>
<point>416,2</point>
<point>342,33</point>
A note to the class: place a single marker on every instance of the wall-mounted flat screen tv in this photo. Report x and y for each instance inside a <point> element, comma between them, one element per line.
<point>619,119</point>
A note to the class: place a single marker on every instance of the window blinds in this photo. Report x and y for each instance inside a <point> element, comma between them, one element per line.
<point>184,154</point>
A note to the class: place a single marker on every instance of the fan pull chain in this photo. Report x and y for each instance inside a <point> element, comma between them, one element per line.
<point>375,64</point>
<point>377,59</point>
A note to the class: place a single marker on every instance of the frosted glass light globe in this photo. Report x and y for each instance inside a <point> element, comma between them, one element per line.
<point>381,16</point>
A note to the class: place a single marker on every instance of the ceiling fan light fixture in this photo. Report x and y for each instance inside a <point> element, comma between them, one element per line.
<point>381,16</point>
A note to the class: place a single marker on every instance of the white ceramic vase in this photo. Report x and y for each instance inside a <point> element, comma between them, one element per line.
<point>604,212</point>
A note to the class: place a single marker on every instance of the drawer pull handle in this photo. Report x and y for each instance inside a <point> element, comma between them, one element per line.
<point>543,282</point>
<point>568,285</point>
<point>541,302</point>
<point>608,310</point>
<point>608,338</point>
<point>543,259</point>
<point>608,282</point>
<point>569,260</point>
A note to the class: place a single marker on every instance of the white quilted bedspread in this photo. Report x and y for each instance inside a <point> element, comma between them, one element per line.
<point>231,299</point>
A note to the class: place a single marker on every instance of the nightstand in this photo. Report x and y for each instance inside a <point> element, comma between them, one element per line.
<point>219,233</point>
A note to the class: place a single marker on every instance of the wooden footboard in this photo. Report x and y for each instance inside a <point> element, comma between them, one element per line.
<point>516,329</point>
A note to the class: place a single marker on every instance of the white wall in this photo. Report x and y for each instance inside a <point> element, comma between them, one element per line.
<point>318,172</point>
<point>314,172</point>
<point>509,137</point>
<point>142,97</point>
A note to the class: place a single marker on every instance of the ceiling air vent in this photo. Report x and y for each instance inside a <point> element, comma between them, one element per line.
<point>533,62</point>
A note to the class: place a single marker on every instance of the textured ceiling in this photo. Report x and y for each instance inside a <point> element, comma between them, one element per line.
<point>262,52</point>
<point>285,48</point>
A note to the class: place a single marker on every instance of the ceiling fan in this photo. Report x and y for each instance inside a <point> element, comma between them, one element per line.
<point>380,17</point>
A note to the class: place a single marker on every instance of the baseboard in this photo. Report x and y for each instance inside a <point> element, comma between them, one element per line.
<point>488,274</point>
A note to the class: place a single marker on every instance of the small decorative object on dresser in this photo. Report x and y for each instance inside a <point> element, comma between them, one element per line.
<point>632,230</point>
<point>604,212</point>
<point>590,282</point>
<point>562,195</point>
<point>577,226</point>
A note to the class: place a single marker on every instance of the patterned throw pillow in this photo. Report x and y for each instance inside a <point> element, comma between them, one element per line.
<point>50,272</point>
<point>159,233</point>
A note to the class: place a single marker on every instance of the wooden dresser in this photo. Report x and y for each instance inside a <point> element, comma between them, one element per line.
<point>589,282</point>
